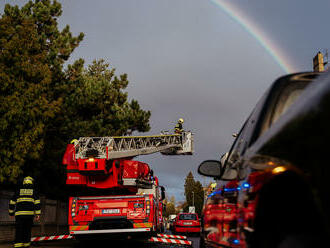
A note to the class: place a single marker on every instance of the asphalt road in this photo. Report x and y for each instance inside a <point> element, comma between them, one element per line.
<point>105,243</point>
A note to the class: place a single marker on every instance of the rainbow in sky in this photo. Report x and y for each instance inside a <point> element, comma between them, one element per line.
<point>252,28</point>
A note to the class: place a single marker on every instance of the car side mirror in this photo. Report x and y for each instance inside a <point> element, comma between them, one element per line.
<point>211,168</point>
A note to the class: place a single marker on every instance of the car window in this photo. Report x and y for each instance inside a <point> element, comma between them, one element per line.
<point>284,105</point>
<point>285,98</point>
<point>272,105</point>
<point>244,135</point>
<point>188,217</point>
<point>282,95</point>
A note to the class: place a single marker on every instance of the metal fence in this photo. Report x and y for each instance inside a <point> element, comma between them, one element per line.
<point>53,219</point>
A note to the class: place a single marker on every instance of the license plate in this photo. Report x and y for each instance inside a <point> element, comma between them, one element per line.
<point>187,223</point>
<point>110,211</point>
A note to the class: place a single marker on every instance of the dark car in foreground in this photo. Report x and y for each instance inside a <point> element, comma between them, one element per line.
<point>187,223</point>
<point>280,167</point>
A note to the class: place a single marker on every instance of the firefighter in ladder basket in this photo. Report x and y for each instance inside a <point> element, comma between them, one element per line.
<point>178,127</point>
<point>25,205</point>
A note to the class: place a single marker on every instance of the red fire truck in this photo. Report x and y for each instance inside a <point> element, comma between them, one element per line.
<point>115,194</point>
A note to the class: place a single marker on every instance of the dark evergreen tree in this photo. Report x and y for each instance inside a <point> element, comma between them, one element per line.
<point>194,194</point>
<point>198,197</point>
<point>43,105</point>
<point>189,188</point>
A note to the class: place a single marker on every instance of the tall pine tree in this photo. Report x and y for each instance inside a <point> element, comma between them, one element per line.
<point>43,104</point>
<point>193,190</point>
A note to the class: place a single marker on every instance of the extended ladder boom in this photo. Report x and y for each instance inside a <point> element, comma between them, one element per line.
<point>131,146</point>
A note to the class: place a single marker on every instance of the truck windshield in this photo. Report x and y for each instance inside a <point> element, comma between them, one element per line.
<point>188,217</point>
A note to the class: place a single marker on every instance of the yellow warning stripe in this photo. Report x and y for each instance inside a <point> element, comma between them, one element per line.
<point>78,228</point>
<point>25,192</point>
<point>36,201</point>
<point>25,199</point>
<point>141,225</point>
<point>24,213</point>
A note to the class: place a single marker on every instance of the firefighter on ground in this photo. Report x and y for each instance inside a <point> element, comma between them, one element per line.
<point>25,205</point>
<point>178,127</point>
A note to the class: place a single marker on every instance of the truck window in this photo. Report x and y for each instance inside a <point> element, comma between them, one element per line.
<point>188,217</point>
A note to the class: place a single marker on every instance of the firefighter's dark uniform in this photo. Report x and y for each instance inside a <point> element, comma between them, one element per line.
<point>178,128</point>
<point>25,204</point>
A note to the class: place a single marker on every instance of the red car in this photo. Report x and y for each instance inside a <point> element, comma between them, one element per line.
<point>186,223</point>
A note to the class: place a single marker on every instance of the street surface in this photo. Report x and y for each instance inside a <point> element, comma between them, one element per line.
<point>101,243</point>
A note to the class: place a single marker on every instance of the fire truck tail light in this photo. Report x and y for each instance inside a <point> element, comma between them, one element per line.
<point>73,209</point>
<point>148,207</point>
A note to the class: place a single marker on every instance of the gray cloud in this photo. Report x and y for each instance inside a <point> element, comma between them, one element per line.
<point>188,59</point>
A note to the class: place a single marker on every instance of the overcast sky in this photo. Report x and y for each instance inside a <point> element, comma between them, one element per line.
<point>190,59</point>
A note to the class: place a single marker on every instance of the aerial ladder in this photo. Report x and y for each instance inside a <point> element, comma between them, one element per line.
<point>117,147</point>
<point>92,159</point>
<point>120,195</point>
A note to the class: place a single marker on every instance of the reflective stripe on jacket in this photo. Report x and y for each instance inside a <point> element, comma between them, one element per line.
<point>178,127</point>
<point>25,202</point>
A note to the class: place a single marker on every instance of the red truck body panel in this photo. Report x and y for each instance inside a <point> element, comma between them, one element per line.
<point>140,209</point>
<point>103,212</point>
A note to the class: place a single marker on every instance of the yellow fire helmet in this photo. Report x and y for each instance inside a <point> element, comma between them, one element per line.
<point>74,141</point>
<point>180,120</point>
<point>28,180</point>
<point>213,185</point>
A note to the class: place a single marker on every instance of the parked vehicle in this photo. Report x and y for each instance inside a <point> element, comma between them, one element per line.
<point>187,223</point>
<point>279,164</point>
<point>219,215</point>
<point>114,194</point>
<point>118,197</point>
